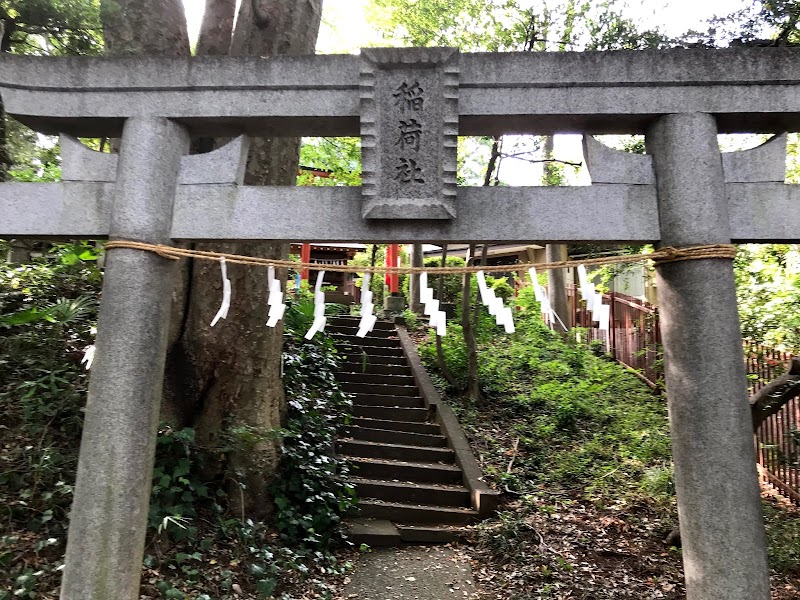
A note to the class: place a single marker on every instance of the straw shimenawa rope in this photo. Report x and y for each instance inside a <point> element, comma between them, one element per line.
<point>660,256</point>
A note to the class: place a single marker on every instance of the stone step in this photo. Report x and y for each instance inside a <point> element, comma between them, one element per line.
<point>410,426</point>
<point>390,413</point>
<point>380,389</point>
<point>348,321</point>
<point>351,447</point>
<point>410,492</point>
<point>358,351</point>
<point>376,379</point>
<point>372,368</point>
<point>349,330</point>
<point>360,359</point>
<point>389,436</point>
<point>372,532</point>
<point>430,534</point>
<point>424,472</point>
<point>382,533</point>
<point>383,400</point>
<point>399,512</point>
<point>385,342</point>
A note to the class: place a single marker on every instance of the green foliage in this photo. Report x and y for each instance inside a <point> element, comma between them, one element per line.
<point>411,319</point>
<point>762,23</point>
<point>339,158</point>
<point>793,158</point>
<point>783,539</point>
<point>310,497</point>
<point>47,313</point>
<point>52,27</point>
<point>584,423</point>
<point>451,290</point>
<point>47,310</point>
<point>177,487</point>
<point>507,25</point>
<point>36,162</point>
<point>768,291</point>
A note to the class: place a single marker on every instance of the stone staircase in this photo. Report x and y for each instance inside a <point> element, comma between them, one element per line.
<point>406,468</point>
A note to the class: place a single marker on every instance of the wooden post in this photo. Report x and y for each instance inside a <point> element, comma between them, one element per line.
<point>305,257</point>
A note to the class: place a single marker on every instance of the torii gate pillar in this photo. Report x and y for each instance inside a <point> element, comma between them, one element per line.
<point>108,520</point>
<point>719,507</point>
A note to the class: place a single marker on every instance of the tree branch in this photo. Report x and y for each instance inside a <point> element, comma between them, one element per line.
<point>519,156</point>
<point>772,397</point>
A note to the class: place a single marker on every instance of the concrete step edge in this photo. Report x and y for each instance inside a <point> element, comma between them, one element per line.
<point>367,443</point>
<point>394,425</point>
<point>404,484</point>
<point>418,464</point>
<point>432,436</point>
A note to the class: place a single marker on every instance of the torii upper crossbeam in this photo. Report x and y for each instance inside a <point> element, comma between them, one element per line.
<point>409,105</point>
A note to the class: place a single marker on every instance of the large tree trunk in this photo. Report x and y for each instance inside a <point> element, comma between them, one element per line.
<point>229,376</point>
<point>149,27</point>
<point>468,328</point>
<point>217,28</point>
<point>417,260</point>
<point>556,278</point>
<point>440,361</point>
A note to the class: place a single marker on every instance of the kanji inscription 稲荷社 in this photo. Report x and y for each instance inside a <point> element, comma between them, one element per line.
<point>408,124</point>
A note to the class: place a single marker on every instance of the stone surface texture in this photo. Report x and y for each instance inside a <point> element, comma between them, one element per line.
<point>764,163</point>
<point>79,163</point>
<point>482,497</point>
<point>223,165</point>
<point>112,493</point>
<point>492,214</point>
<point>719,507</point>
<point>747,89</point>
<point>604,213</point>
<point>607,165</point>
<point>411,573</point>
<point>409,129</point>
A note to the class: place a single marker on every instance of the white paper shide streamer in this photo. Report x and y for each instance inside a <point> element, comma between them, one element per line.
<point>502,314</point>
<point>368,319</point>
<point>540,294</point>
<point>594,300</point>
<point>222,313</point>
<point>277,308</point>
<point>88,356</point>
<point>436,318</point>
<point>319,308</point>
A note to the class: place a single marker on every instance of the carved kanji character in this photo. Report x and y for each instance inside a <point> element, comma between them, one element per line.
<point>409,96</point>
<point>410,133</point>
<point>408,171</point>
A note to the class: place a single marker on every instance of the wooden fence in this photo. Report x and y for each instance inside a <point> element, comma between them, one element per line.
<point>778,438</point>
<point>633,338</point>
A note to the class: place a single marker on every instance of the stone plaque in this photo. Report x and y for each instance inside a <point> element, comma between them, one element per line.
<point>409,128</point>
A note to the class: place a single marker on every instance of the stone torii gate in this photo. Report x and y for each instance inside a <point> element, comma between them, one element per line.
<point>409,105</point>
